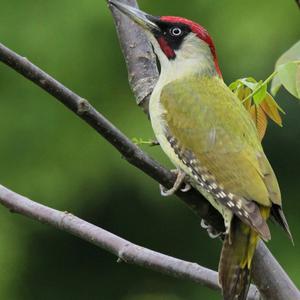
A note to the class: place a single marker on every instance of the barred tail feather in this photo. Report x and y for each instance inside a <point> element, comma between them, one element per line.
<point>235,262</point>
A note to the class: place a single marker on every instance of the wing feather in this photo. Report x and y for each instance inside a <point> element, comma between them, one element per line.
<point>221,136</point>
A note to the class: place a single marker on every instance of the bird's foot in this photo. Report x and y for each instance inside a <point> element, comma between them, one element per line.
<point>154,143</point>
<point>212,233</point>
<point>179,181</point>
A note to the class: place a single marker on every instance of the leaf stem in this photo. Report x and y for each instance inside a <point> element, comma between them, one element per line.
<point>261,85</point>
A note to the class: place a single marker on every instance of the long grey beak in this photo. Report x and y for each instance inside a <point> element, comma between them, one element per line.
<point>144,20</point>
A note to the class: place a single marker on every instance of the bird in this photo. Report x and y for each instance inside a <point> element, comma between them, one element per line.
<point>212,140</point>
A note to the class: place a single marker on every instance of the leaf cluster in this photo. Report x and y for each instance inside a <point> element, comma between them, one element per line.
<point>255,96</point>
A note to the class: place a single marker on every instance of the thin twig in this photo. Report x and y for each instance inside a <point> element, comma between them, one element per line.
<point>123,249</point>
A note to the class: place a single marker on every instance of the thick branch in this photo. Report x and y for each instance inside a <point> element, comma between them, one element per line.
<point>135,156</point>
<point>139,57</point>
<point>126,251</point>
<point>270,277</point>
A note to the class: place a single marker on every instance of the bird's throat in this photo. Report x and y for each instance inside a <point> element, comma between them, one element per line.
<point>181,67</point>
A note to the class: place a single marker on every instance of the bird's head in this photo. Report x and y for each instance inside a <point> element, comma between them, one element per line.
<point>176,41</point>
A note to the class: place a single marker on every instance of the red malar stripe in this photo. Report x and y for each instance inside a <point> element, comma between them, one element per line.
<point>169,52</point>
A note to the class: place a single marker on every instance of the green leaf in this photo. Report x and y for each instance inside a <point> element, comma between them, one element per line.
<point>258,102</point>
<point>249,82</point>
<point>234,85</point>
<point>260,95</point>
<point>140,141</point>
<point>241,83</point>
<point>293,54</point>
<point>298,80</point>
<point>275,86</point>
<point>288,74</point>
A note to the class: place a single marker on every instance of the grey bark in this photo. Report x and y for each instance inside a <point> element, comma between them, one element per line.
<point>125,250</point>
<point>139,57</point>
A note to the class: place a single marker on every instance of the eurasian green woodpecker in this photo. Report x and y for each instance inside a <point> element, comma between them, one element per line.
<point>210,137</point>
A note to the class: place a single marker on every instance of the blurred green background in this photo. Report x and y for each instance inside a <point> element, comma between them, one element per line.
<point>51,156</point>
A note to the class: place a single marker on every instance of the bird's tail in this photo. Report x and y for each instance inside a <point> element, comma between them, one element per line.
<point>236,257</point>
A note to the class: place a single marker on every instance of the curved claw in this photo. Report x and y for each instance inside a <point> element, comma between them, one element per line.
<point>212,233</point>
<point>186,188</point>
<point>179,180</point>
<point>165,192</point>
<point>203,224</point>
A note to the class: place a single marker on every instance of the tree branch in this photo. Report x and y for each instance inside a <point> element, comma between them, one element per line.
<point>138,158</point>
<point>123,249</point>
<point>139,57</point>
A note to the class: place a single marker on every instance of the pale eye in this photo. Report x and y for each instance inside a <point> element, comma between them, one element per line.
<point>175,31</point>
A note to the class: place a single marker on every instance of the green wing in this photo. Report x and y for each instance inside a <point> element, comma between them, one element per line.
<point>212,124</point>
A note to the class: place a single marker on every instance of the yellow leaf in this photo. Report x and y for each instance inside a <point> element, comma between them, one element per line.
<point>240,92</point>
<point>271,108</point>
<point>260,120</point>
<point>248,102</point>
<point>259,110</point>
